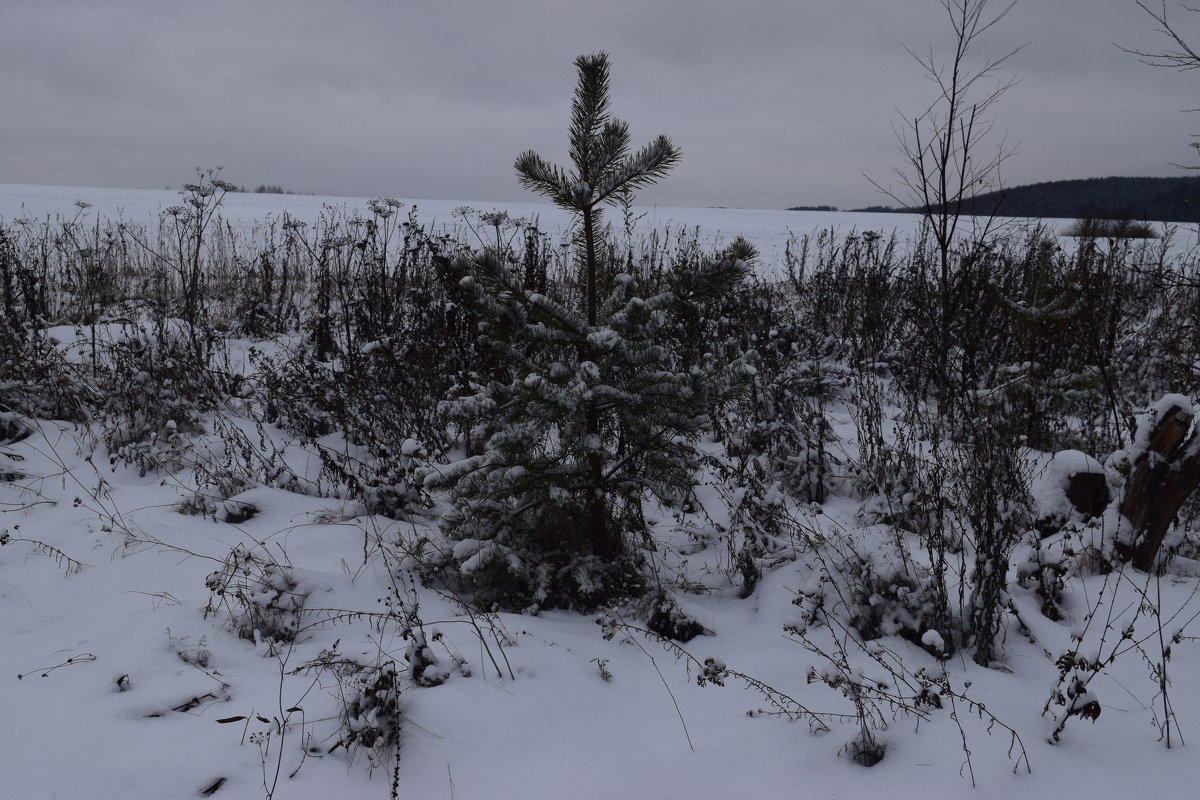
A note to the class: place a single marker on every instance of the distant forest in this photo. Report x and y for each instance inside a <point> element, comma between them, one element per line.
<point>1151,199</point>
<point>267,188</point>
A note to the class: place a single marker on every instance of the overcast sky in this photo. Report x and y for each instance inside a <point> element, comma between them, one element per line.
<point>773,102</point>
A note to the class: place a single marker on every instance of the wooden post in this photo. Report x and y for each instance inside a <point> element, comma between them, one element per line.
<point>1163,476</point>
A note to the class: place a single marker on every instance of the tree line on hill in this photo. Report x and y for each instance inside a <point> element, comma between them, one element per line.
<point>266,188</point>
<point>1153,199</point>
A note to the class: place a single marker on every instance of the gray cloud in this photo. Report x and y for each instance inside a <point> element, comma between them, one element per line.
<point>773,102</point>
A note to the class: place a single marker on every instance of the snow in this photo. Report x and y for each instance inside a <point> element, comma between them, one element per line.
<point>768,230</point>
<point>117,666</point>
<point>934,641</point>
<point>1050,497</point>
<point>555,727</point>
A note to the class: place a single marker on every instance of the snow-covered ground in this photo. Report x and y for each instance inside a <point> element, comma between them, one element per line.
<point>121,674</point>
<point>768,230</point>
<point>114,679</point>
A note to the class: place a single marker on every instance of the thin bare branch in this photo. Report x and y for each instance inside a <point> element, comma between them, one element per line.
<point>1184,58</point>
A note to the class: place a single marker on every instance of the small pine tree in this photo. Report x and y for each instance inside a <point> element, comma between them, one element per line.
<point>595,411</point>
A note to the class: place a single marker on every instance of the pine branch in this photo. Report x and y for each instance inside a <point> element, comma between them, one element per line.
<point>538,175</point>
<point>717,277</point>
<point>649,164</point>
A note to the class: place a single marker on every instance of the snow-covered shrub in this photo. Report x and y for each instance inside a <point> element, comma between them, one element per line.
<point>371,716</point>
<point>36,380</point>
<point>898,581</point>
<point>844,290</point>
<point>570,450</point>
<point>297,392</point>
<point>1126,618</point>
<point>423,667</point>
<point>877,589</point>
<point>1045,570</point>
<point>370,695</point>
<point>233,512</point>
<point>865,750</point>
<point>784,419</point>
<point>531,563</point>
<point>669,621</point>
<point>155,393</point>
<point>1074,698</point>
<point>267,288</point>
<point>387,342</point>
<point>956,487</point>
<point>1056,406</point>
<point>1075,524</point>
<point>1186,547</point>
<point>873,699</point>
<point>377,457</point>
<point>1039,299</point>
<point>762,533</point>
<point>263,600</point>
<point>992,484</point>
<point>900,475</point>
<point>19,295</point>
<point>384,341</point>
<point>882,687</point>
<point>801,368</point>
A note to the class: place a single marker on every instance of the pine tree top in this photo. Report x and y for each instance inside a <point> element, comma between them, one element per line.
<point>599,150</point>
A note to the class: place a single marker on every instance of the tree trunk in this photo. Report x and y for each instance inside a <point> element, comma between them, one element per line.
<point>591,277</point>
<point>1164,474</point>
<point>604,543</point>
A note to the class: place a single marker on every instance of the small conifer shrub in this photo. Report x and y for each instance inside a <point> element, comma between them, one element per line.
<point>592,409</point>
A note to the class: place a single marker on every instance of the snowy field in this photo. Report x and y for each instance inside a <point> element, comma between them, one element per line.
<point>122,674</point>
<point>767,229</point>
<point>113,679</point>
